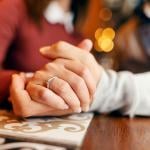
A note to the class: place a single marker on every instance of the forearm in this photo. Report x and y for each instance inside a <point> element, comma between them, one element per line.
<point>123,91</point>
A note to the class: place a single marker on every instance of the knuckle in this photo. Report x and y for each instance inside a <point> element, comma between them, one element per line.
<point>78,84</point>
<point>50,67</point>
<point>63,88</point>
<point>83,71</point>
<point>42,95</point>
<point>60,45</point>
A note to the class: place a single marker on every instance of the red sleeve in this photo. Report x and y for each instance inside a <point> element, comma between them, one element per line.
<point>9,20</point>
<point>5,80</point>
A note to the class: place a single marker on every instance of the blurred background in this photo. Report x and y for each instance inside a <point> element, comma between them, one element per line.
<point>123,35</point>
<point>119,29</point>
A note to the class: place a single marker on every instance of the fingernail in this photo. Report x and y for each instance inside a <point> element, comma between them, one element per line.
<point>62,106</point>
<point>77,110</point>
<point>86,108</point>
<point>44,49</point>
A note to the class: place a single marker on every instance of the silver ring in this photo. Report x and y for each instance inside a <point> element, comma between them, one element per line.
<point>49,81</point>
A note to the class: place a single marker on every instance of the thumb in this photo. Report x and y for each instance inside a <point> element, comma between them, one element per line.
<point>86,45</point>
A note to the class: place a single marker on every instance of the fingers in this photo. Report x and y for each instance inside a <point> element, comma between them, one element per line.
<point>39,93</point>
<point>86,45</point>
<point>23,105</point>
<point>63,89</point>
<point>72,88</point>
<point>45,96</point>
<point>58,112</point>
<point>76,83</point>
<point>63,50</point>
<point>67,51</point>
<point>79,87</point>
<point>84,73</point>
<point>21,101</point>
<point>18,82</point>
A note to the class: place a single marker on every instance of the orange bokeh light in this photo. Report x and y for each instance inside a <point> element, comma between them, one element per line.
<point>105,14</point>
<point>104,39</point>
<point>108,33</point>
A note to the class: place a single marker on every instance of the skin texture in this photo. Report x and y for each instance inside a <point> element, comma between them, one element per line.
<point>81,53</point>
<point>77,74</point>
<point>24,106</point>
<point>67,89</point>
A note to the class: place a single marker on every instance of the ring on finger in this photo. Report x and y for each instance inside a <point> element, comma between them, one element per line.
<point>49,81</point>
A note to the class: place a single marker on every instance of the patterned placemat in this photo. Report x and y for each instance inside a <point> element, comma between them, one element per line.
<point>13,144</point>
<point>68,131</point>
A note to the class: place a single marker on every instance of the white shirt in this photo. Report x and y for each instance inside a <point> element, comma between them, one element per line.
<point>54,14</point>
<point>124,91</point>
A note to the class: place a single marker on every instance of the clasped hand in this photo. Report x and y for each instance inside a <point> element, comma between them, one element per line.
<point>76,74</point>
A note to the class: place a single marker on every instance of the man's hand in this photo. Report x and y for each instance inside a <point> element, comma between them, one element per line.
<point>81,53</point>
<point>72,87</point>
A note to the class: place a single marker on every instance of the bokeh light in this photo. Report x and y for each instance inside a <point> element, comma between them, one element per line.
<point>106,45</point>
<point>98,33</point>
<point>105,14</point>
<point>104,39</point>
<point>108,33</point>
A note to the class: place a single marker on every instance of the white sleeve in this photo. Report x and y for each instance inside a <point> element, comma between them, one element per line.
<point>124,91</point>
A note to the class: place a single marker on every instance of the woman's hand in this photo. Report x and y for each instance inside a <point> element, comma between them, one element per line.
<point>74,85</point>
<point>70,52</point>
<point>24,106</point>
<point>72,88</point>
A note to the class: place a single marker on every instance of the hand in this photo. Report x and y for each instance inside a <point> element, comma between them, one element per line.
<point>73,87</point>
<point>70,52</point>
<point>24,106</point>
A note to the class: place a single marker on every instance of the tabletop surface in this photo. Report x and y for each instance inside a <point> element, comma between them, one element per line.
<point>107,132</point>
<point>118,133</point>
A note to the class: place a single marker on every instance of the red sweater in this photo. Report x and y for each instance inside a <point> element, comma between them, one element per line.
<point>21,38</point>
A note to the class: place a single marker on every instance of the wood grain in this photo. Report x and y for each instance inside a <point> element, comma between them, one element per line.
<point>118,133</point>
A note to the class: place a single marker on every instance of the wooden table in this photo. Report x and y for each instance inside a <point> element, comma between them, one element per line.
<point>118,133</point>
